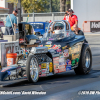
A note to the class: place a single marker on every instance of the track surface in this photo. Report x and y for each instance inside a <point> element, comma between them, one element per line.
<point>65,86</point>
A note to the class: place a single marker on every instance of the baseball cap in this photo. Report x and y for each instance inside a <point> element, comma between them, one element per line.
<point>70,10</point>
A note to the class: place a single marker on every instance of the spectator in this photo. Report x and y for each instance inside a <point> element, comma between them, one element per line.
<point>73,20</point>
<point>11,20</point>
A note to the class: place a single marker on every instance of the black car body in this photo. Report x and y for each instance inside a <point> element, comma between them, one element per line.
<point>60,50</point>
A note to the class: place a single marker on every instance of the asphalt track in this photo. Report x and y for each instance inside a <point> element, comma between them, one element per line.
<point>65,86</point>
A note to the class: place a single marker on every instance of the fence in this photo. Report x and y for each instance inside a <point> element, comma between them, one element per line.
<point>34,17</point>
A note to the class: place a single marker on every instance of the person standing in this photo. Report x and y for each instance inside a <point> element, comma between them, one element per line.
<point>11,20</point>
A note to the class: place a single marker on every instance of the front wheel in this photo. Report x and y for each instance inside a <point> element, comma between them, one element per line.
<point>85,62</point>
<point>32,69</point>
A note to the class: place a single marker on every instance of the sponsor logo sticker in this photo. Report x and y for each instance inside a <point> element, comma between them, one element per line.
<point>66,50</point>
<point>68,62</point>
<point>64,47</point>
<point>56,46</point>
<point>44,71</point>
<point>56,58</point>
<point>49,42</point>
<point>43,65</point>
<point>68,68</point>
<point>66,54</point>
<point>48,45</point>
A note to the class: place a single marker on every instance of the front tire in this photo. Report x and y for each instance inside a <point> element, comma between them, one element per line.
<point>32,69</point>
<point>85,62</point>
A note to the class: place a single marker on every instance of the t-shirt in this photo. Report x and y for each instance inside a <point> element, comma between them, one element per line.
<point>13,19</point>
<point>71,19</point>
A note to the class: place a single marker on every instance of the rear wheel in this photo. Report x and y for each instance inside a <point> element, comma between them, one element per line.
<point>32,69</point>
<point>85,62</point>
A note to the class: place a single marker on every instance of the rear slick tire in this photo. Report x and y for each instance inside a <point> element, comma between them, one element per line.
<point>85,62</point>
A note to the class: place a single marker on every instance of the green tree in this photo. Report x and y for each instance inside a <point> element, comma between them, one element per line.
<point>64,5</point>
<point>31,5</point>
<point>55,6</point>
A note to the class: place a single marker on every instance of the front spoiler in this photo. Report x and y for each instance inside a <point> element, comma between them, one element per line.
<point>12,82</point>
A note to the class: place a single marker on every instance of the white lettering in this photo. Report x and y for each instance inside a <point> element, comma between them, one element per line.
<point>94,25</point>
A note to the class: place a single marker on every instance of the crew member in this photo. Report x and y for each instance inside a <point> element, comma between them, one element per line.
<point>11,20</point>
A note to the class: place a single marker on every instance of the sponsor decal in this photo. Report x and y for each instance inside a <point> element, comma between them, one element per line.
<point>77,60</point>
<point>56,70</point>
<point>74,56</point>
<point>56,66</point>
<point>55,55</point>
<point>49,42</point>
<point>68,68</point>
<point>62,56</point>
<point>56,58</point>
<point>56,46</point>
<point>62,68</point>
<point>61,63</point>
<point>40,45</point>
<point>48,45</point>
<point>42,75</point>
<point>44,71</point>
<point>58,50</point>
<point>75,49</point>
<point>43,65</point>
<point>61,60</point>
<point>73,62</point>
<point>66,50</point>
<point>66,54</point>
<point>47,68</point>
<point>40,69</point>
<point>68,62</point>
<point>64,47</point>
<point>56,61</point>
<point>52,50</point>
<point>67,34</point>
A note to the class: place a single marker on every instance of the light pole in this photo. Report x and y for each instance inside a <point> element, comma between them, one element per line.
<point>50,5</point>
<point>19,11</point>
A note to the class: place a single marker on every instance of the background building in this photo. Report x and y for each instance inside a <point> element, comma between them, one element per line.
<point>86,10</point>
<point>5,4</point>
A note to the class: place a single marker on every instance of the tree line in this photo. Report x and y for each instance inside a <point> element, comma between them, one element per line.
<point>39,6</point>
